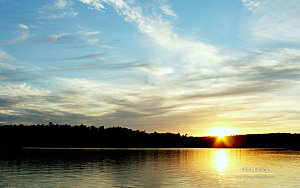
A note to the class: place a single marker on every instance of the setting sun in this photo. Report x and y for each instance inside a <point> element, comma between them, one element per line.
<point>221,132</point>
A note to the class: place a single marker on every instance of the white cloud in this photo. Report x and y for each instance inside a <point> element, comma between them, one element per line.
<point>94,3</point>
<point>23,26</point>
<point>157,70</point>
<point>92,96</point>
<point>192,80</point>
<point>192,54</point>
<point>24,33</point>
<point>22,90</point>
<point>61,4</point>
<point>277,20</point>
<point>5,58</point>
<point>55,37</point>
<point>252,4</point>
<point>92,41</point>
<point>81,36</point>
<point>90,33</point>
<point>279,59</point>
<point>4,55</point>
<point>58,9</point>
<point>65,14</point>
<point>168,11</point>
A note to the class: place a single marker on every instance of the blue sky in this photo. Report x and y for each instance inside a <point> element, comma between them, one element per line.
<point>179,66</point>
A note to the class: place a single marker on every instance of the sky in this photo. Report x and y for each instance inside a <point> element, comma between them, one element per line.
<point>165,66</point>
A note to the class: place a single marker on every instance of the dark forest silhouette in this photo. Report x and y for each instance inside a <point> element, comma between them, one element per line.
<point>80,136</point>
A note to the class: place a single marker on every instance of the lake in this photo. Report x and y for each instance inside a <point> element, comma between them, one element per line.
<point>149,168</point>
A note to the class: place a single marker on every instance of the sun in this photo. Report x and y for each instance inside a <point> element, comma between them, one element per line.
<point>221,132</point>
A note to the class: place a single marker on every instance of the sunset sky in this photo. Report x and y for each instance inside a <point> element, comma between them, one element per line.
<point>178,66</point>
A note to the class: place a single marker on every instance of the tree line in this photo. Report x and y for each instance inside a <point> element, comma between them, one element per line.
<point>82,136</point>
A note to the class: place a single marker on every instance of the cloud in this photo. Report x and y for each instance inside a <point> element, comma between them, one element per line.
<point>24,33</point>
<point>157,70</point>
<point>252,5</point>
<point>102,65</point>
<point>94,3</point>
<point>166,9</point>
<point>84,101</point>
<point>97,56</point>
<point>153,107</point>
<point>190,54</point>
<point>61,4</point>
<point>55,37</point>
<point>15,70</point>
<point>4,56</point>
<point>5,61</point>
<point>65,14</point>
<point>241,89</point>
<point>33,116</point>
<point>221,77</point>
<point>260,73</point>
<point>277,21</point>
<point>91,33</point>
<point>183,84</point>
<point>58,9</point>
<point>23,89</point>
<point>23,26</point>
<point>86,37</point>
<point>21,74</point>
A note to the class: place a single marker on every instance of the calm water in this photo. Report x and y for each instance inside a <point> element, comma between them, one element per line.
<point>149,168</point>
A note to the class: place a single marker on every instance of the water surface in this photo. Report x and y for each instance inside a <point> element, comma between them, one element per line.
<point>149,168</point>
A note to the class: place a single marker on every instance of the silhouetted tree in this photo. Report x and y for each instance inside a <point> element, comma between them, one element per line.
<point>84,136</point>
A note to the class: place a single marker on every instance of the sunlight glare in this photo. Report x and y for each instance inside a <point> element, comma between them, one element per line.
<point>221,132</point>
<point>221,160</point>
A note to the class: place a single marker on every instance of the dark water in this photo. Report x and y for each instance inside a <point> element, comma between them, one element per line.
<point>149,168</point>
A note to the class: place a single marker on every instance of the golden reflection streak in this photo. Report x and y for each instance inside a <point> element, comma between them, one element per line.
<point>221,160</point>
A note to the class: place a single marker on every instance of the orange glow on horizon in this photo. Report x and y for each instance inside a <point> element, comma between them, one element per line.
<point>221,132</point>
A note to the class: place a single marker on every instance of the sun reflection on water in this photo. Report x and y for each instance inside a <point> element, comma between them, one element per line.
<point>221,160</point>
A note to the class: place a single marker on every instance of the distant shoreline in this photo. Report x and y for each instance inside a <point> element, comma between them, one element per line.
<point>81,136</point>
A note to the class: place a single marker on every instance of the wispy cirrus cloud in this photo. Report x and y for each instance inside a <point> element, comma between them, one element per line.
<point>86,37</point>
<point>276,20</point>
<point>61,4</point>
<point>5,61</point>
<point>191,54</point>
<point>177,83</point>
<point>55,37</point>
<point>23,89</point>
<point>23,26</point>
<point>58,9</point>
<point>96,4</point>
<point>64,14</point>
<point>252,5</point>
<point>226,78</point>
<point>96,56</point>
<point>166,9</point>
<point>23,33</point>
